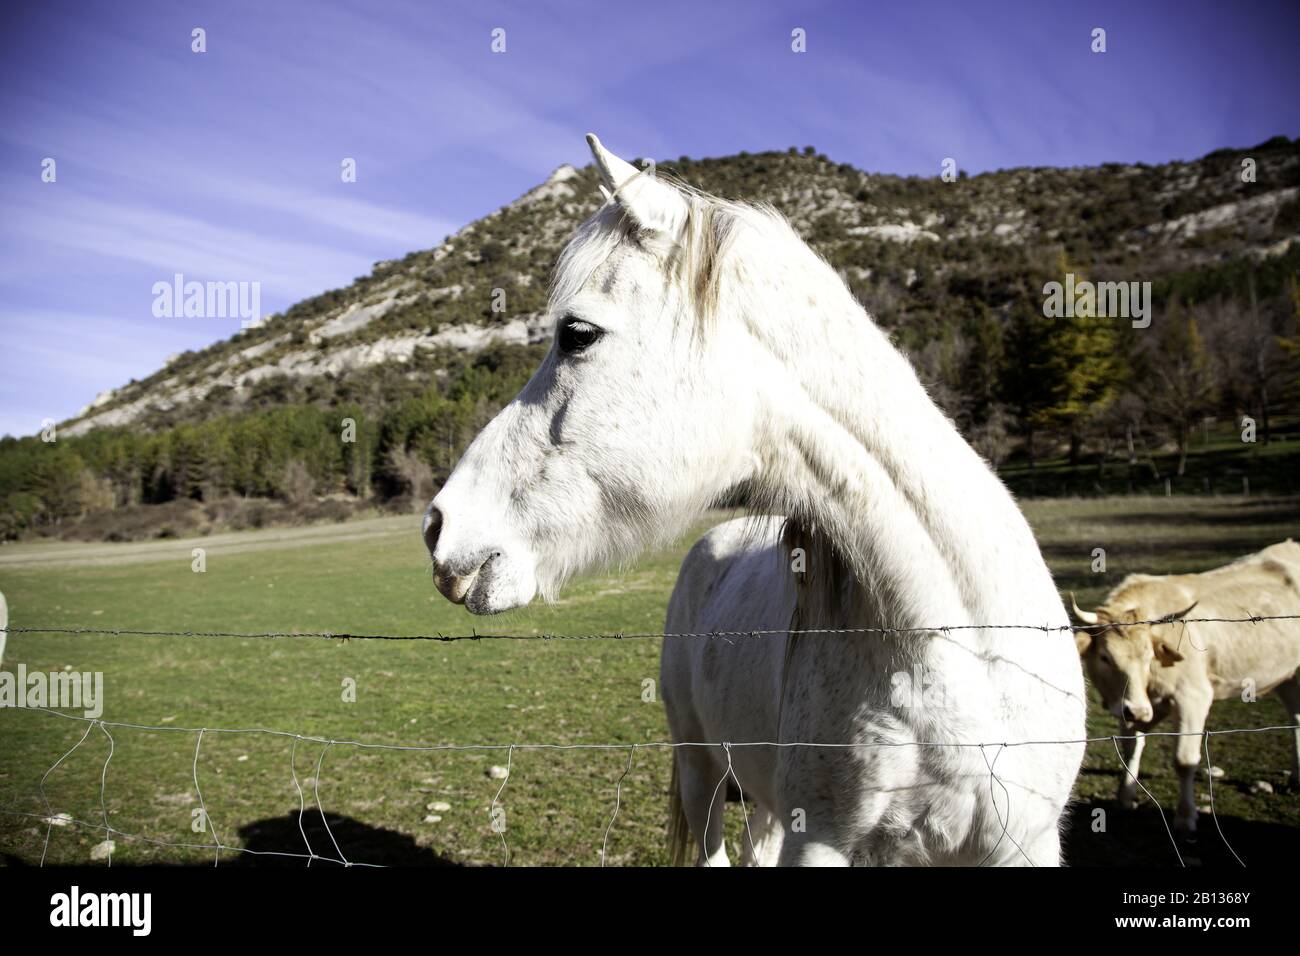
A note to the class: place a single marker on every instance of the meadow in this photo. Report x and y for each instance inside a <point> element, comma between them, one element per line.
<point>372,577</point>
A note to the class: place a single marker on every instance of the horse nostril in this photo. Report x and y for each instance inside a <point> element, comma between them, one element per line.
<point>432,528</point>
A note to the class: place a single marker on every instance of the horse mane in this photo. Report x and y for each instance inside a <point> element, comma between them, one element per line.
<point>695,258</point>
<point>825,589</point>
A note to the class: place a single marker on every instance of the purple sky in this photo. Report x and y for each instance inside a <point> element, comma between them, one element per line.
<point>225,165</point>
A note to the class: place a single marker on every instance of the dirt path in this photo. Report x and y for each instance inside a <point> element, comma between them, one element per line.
<point>64,554</point>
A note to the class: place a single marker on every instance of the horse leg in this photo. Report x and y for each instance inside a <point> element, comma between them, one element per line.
<point>704,798</point>
<point>765,828</point>
<point>1044,850</point>
<point>1289,691</point>
<point>812,835</point>
<point>798,849</point>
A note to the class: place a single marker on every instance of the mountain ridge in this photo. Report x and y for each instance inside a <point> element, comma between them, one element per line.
<point>485,285</point>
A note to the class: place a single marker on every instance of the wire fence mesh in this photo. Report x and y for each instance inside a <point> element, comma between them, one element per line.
<point>310,853</point>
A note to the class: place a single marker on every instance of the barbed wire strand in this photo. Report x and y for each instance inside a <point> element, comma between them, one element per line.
<point>49,815</point>
<point>302,804</point>
<point>103,789</point>
<point>208,824</point>
<point>639,635</point>
<point>649,744</point>
<point>320,806</point>
<point>1209,773</point>
<point>618,799</point>
<point>744,810</point>
<point>1115,740</point>
<point>729,772</point>
<point>1006,824</point>
<point>500,826</point>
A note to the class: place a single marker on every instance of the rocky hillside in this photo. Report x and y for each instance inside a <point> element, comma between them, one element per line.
<point>919,252</point>
<point>364,398</point>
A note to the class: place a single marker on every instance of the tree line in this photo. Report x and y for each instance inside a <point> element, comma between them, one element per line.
<point>1021,383</point>
<point>292,452</point>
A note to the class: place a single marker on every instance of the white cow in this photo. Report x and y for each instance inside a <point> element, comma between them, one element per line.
<point>1177,668</point>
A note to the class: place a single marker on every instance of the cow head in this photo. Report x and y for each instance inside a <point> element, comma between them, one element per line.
<point>1118,653</point>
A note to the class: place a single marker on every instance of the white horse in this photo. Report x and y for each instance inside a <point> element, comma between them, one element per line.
<point>700,345</point>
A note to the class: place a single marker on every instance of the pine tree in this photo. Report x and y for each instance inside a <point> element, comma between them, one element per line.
<point>1084,363</point>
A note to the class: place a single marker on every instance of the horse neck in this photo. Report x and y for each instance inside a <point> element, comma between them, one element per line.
<point>858,450</point>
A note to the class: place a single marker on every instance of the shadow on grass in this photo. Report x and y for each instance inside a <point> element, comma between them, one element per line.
<point>356,841</point>
<point>267,839</point>
<point>1139,838</point>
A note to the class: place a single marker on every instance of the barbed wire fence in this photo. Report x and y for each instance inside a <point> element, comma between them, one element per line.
<point>52,819</point>
<point>633,635</point>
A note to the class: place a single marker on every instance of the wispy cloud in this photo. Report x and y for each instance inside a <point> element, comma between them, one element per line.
<point>226,164</point>
<point>41,348</point>
<point>168,243</point>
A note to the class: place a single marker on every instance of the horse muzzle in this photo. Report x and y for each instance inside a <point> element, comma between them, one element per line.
<point>486,579</point>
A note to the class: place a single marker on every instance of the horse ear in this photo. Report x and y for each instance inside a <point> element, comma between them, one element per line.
<point>651,203</point>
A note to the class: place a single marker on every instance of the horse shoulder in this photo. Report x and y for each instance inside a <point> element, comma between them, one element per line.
<point>723,567</point>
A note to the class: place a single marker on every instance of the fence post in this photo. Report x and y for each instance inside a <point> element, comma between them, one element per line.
<point>4,626</point>
<point>1169,491</point>
<point>1245,485</point>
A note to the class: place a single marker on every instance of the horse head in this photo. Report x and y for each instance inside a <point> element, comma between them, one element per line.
<point>640,416</point>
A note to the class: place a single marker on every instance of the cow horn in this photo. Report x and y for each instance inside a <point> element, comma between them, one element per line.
<point>1087,617</point>
<point>1179,615</point>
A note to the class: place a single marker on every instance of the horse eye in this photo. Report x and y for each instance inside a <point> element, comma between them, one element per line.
<point>576,336</point>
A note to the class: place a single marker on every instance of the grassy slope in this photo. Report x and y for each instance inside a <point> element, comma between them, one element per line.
<point>1217,462</point>
<point>557,803</point>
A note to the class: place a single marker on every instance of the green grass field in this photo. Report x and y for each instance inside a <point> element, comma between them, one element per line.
<point>372,577</point>
<point>1218,462</point>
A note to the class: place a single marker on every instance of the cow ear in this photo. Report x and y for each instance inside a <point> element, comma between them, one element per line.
<point>1165,652</point>
<point>1082,640</point>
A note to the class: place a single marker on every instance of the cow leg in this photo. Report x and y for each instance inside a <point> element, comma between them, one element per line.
<point>1289,691</point>
<point>1130,747</point>
<point>1193,708</point>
